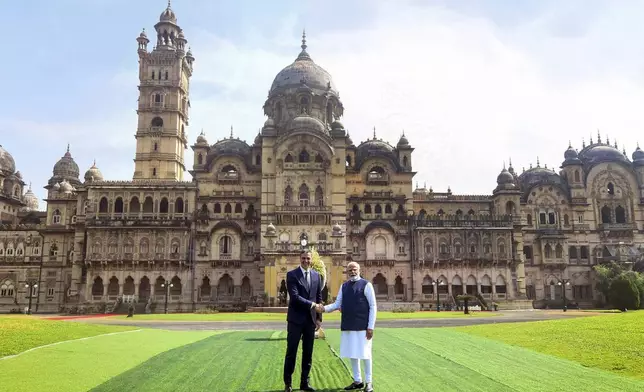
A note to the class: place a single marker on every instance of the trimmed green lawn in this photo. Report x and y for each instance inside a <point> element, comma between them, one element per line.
<point>235,361</point>
<point>20,333</point>
<point>261,316</point>
<point>419,359</point>
<point>613,342</point>
<point>83,365</point>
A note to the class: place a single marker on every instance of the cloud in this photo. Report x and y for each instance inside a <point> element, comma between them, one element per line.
<point>471,85</point>
<point>468,93</point>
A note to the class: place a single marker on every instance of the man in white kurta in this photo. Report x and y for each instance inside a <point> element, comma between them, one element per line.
<point>356,345</point>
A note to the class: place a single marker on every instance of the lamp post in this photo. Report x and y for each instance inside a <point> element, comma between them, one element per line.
<point>437,283</point>
<point>563,283</point>
<point>167,291</point>
<point>30,286</point>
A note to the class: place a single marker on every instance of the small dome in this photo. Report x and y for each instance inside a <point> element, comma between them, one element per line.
<point>403,142</point>
<point>505,177</point>
<point>337,125</point>
<point>270,123</point>
<point>7,164</point>
<point>307,122</point>
<point>18,175</point>
<point>66,167</point>
<point>601,153</point>
<point>270,229</point>
<point>31,200</point>
<point>638,155</point>
<point>66,187</point>
<point>337,229</point>
<point>258,139</point>
<point>93,174</point>
<point>349,140</point>
<point>189,54</point>
<point>181,35</point>
<point>143,35</point>
<point>168,15</point>
<point>570,153</point>
<point>56,186</point>
<point>201,139</point>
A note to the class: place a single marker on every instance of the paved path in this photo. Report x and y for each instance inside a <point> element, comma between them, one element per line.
<point>504,317</point>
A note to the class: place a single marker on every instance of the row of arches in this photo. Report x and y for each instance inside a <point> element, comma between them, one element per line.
<point>304,198</point>
<point>472,286</point>
<point>135,205</point>
<point>303,157</point>
<point>129,288</point>
<point>458,248</point>
<point>378,209</point>
<point>225,287</point>
<point>128,246</point>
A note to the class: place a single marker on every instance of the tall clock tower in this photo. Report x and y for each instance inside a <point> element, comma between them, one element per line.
<point>164,100</point>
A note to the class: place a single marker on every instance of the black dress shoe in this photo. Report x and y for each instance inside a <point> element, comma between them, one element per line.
<point>354,385</point>
<point>306,387</point>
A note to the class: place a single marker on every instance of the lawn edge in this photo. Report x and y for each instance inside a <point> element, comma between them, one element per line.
<point>65,341</point>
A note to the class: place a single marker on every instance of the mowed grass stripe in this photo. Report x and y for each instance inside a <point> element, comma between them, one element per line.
<point>235,361</point>
<point>82,365</point>
<point>612,342</point>
<point>514,367</point>
<point>400,366</point>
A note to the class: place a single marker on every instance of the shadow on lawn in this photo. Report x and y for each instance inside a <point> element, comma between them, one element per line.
<point>296,389</point>
<point>264,340</point>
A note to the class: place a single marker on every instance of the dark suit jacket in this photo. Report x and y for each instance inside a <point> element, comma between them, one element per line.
<point>300,299</point>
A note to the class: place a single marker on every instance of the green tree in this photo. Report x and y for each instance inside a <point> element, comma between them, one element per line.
<point>623,292</point>
<point>317,264</point>
<point>606,273</point>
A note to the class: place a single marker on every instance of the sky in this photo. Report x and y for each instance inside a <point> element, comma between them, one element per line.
<point>472,84</point>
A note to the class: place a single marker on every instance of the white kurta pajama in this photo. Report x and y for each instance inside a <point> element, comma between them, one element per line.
<point>354,344</point>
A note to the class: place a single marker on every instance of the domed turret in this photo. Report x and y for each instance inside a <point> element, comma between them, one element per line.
<point>168,15</point>
<point>7,164</point>
<point>308,123</point>
<point>302,71</point>
<point>571,157</point>
<point>337,230</point>
<point>638,156</point>
<point>270,229</point>
<point>505,177</point>
<point>30,200</point>
<point>65,169</point>
<point>201,139</point>
<point>66,187</point>
<point>403,142</point>
<point>93,174</point>
<point>337,125</point>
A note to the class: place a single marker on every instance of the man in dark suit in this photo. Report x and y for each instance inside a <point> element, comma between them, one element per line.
<point>305,291</point>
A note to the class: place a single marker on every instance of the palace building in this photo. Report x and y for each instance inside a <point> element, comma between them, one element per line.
<point>229,236</point>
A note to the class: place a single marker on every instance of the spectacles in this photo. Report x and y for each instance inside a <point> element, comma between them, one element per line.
<point>306,258</point>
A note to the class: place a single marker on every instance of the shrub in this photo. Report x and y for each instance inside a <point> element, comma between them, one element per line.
<point>623,293</point>
<point>403,309</point>
<point>207,310</point>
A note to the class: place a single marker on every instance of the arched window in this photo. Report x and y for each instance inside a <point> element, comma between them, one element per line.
<point>225,245</point>
<point>258,160</point>
<point>428,248</point>
<point>118,205</point>
<point>367,208</point>
<point>97,287</point>
<point>529,219</point>
<point>289,158</point>
<point>348,160</point>
<point>620,215</point>
<point>405,161</point>
<point>610,188</point>
<point>559,251</point>
<point>509,208</point>
<point>548,251</point>
<point>304,195</point>
<point>304,156</point>
<point>388,209</point>
<point>238,208</point>
<point>378,209</point>
<point>148,205</point>
<point>157,122</point>
<point>200,159</point>
<point>380,284</point>
<point>228,209</point>
<point>56,217</point>
<point>304,105</point>
<point>288,196</point>
<point>7,288</point>
<point>230,172</point>
<point>577,176</point>
<point>217,208</point>
<point>102,205</point>
<point>178,206</point>
<point>566,220</point>
<point>606,215</point>
<point>163,206</point>
<point>135,205</point>
<point>319,196</point>
<point>318,158</point>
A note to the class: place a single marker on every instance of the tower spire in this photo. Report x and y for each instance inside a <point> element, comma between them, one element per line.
<point>231,131</point>
<point>303,40</point>
<point>303,54</point>
<point>374,133</point>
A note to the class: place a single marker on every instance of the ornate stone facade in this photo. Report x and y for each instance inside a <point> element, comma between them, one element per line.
<point>230,235</point>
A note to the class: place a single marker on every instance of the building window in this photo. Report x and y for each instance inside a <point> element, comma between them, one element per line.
<point>225,245</point>
<point>56,218</point>
<point>542,218</point>
<point>50,292</point>
<point>7,289</point>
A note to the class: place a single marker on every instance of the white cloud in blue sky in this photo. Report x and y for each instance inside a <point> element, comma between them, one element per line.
<point>472,83</point>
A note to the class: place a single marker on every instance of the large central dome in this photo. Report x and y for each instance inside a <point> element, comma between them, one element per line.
<point>303,71</point>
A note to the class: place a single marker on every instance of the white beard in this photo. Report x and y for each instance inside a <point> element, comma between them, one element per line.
<point>354,278</point>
